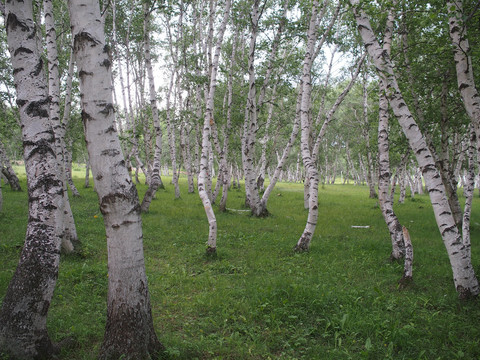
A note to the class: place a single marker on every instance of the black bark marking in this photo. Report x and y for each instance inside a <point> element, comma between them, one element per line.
<point>17,70</point>
<point>86,116</point>
<point>13,23</point>
<point>463,86</point>
<point>38,68</point>
<point>83,73</point>
<point>111,130</point>
<point>21,102</point>
<point>110,152</point>
<point>38,108</point>
<point>83,39</point>
<point>130,196</point>
<point>449,229</point>
<point>41,147</point>
<point>107,109</point>
<point>22,50</point>
<point>106,63</point>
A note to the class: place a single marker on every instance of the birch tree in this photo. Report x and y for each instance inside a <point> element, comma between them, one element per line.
<point>156,180</point>
<point>386,202</point>
<point>23,316</point>
<point>129,331</point>
<point>69,236</point>
<point>464,277</point>
<point>208,123</point>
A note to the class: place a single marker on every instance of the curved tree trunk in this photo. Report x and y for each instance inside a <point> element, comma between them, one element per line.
<point>129,329</point>
<point>23,316</point>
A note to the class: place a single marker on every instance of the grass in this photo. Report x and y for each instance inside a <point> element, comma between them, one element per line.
<point>258,299</point>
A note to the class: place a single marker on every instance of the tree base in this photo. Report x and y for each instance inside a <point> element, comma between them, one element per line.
<point>465,294</point>
<point>405,282</point>
<point>211,252</point>
<point>301,248</point>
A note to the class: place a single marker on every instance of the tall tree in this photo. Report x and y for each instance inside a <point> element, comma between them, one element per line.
<point>156,180</point>
<point>69,236</point>
<point>23,316</point>
<point>209,121</point>
<point>386,202</point>
<point>129,330</point>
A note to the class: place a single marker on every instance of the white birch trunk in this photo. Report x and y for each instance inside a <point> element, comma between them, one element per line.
<point>468,192</point>
<point>366,136</point>
<point>206,145</point>
<point>225,177</point>
<point>384,197</point>
<point>408,266</point>
<point>23,316</point>
<point>250,125</point>
<point>303,244</point>
<point>155,180</point>
<point>69,235</point>
<point>129,329</point>
<point>464,277</point>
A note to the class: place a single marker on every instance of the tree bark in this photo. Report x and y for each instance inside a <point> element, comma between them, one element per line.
<point>23,316</point>
<point>129,329</point>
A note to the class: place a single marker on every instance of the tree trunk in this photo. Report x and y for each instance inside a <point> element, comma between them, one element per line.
<point>155,180</point>
<point>129,331</point>
<point>225,177</point>
<point>87,173</point>
<point>468,192</point>
<point>206,145</point>
<point>384,198</point>
<point>69,236</point>
<point>23,316</point>
<point>303,244</point>
<point>252,199</point>
<point>65,121</point>
<point>465,281</point>
<point>408,266</point>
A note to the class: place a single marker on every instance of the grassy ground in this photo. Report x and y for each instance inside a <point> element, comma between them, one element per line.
<point>258,299</point>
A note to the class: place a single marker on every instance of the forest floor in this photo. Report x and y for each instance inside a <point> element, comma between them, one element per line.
<point>258,299</point>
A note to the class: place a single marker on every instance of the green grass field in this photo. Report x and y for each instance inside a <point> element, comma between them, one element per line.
<point>258,299</point>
